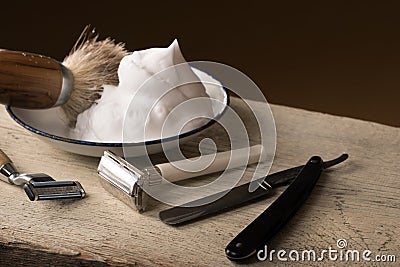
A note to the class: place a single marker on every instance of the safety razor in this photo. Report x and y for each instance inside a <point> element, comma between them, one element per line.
<point>126,182</point>
<point>39,186</point>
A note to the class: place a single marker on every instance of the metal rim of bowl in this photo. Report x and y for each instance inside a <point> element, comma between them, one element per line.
<point>150,142</point>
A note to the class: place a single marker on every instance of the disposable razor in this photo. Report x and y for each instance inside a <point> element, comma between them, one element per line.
<point>126,182</point>
<point>39,186</point>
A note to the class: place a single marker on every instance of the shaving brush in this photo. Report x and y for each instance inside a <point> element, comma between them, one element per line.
<point>34,81</point>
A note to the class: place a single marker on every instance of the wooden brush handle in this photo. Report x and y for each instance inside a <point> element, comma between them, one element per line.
<point>4,159</point>
<point>29,80</point>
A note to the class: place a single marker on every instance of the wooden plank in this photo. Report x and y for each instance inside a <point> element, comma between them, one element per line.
<point>357,201</point>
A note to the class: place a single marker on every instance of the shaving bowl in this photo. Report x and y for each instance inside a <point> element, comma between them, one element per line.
<point>48,125</point>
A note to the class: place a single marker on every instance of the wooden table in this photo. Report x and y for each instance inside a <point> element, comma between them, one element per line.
<point>357,201</point>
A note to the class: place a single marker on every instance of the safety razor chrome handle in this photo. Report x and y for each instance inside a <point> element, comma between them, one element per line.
<point>126,182</point>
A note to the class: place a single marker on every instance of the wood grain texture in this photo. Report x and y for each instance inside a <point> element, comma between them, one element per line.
<point>4,159</point>
<point>357,201</point>
<point>29,80</point>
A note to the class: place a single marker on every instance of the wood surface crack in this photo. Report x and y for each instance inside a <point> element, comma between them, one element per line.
<point>356,233</point>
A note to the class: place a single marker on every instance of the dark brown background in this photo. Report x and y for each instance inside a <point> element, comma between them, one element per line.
<point>339,57</point>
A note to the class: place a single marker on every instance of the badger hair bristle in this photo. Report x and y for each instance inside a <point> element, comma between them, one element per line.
<point>93,64</point>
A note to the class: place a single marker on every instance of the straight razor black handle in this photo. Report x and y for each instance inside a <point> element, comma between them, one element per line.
<point>268,223</point>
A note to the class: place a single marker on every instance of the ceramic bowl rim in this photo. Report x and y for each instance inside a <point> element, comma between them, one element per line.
<point>119,144</point>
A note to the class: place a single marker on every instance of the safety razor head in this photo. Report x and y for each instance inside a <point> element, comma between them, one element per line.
<point>42,187</point>
<point>123,180</point>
